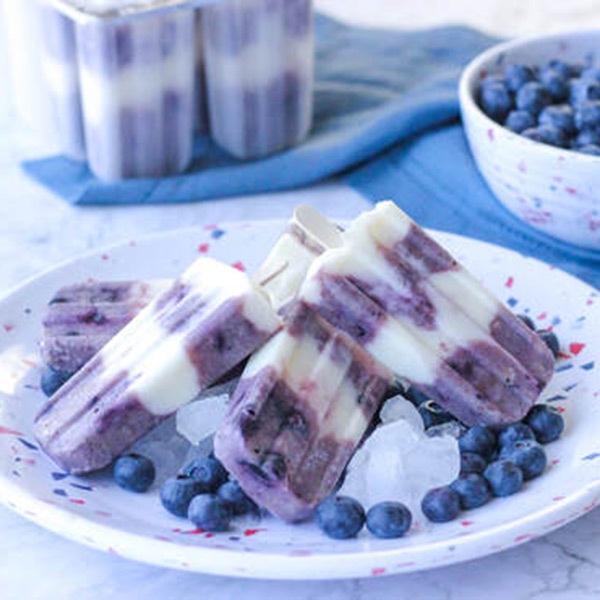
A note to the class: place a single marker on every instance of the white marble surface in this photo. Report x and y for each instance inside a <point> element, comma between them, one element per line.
<point>38,230</point>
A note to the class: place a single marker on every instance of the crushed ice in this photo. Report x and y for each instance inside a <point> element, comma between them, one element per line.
<point>400,462</point>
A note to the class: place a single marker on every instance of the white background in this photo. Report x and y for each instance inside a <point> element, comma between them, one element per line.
<point>38,230</point>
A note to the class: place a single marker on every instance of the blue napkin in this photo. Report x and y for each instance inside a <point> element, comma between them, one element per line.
<point>373,88</point>
<point>435,180</point>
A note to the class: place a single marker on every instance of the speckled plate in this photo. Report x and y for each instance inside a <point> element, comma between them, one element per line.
<point>95,512</point>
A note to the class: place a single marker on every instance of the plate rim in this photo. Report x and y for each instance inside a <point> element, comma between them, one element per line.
<point>270,565</point>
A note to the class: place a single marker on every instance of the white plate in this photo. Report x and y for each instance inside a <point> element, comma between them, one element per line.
<point>95,512</point>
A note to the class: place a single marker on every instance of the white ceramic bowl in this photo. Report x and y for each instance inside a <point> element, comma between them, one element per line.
<point>554,190</point>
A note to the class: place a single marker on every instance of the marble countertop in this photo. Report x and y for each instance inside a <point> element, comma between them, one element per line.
<point>38,230</point>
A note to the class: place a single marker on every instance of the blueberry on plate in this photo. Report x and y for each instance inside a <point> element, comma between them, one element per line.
<point>545,422</point>
<point>496,101</point>
<point>340,517</point>
<point>583,90</point>
<point>561,116</point>
<point>208,471</point>
<point>555,83</point>
<point>504,478</point>
<point>441,504</point>
<point>234,496</point>
<point>549,338</point>
<point>433,414</point>
<point>587,115</point>
<point>478,439</point>
<point>591,149</point>
<point>51,381</point>
<point>518,75</point>
<point>528,321</point>
<point>515,433</point>
<point>471,462</point>
<point>176,494</point>
<point>134,472</point>
<point>528,455</point>
<point>587,137</point>
<point>472,489</point>
<point>389,520</point>
<point>415,396</point>
<point>209,512</point>
<point>565,69</point>
<point>519,120</point>
<point>533,98</point>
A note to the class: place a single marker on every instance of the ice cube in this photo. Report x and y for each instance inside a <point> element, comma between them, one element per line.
<point>200,419</point>
<point>452,428</point>
<point>398,407</point>
<point>165,448</point>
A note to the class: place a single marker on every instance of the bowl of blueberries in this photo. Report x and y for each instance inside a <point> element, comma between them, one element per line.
<point>531,112</point>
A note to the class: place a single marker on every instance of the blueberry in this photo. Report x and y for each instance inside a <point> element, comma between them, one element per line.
<point>208,471</point>
<point>587,115</point>
<point>561,116</point>
<point>441,504</point>
<point>472,489</point>
<point>556,84</point>
<point>415,396</point>
<point>504,478</point>
<point>470,462</point>
<point>491,80</point>
<point>517,76</point>
<point>496,101</point>
<point>591,149</point>
<point>533,98</point>
<point>591,73</point>
<point>514,433</point>
<point>564,68</point>
<point>433,414</point>
<point>519,120</point>
<point>340,517</point>
<point>478,439</point>
<point>176,494</point>
<point>209,512</point>
<point>234,496</point>
<point>134,472</point>
<point>51,381</point>
<point>546,423</point>
<point>389,520</point>
<point>549,338</point>
<point>587,137</point>
<point>527,320</point>
<point>582,90</point>
<point>546,134</point>
<point>528,455</point>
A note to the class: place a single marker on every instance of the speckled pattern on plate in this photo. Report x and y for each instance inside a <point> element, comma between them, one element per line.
<point>93,511</point>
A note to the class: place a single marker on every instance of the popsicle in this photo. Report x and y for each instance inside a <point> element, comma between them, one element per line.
<point>82,318</point>
<point>409,303</point>
<point>301,408</point>
<point>189,336</point>
<point>208,321</point>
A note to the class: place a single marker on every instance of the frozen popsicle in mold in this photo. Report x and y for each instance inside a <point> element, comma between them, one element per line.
<point>301,408</point>
<point>259,74</point>
<point>59,61</point>
<point>205,323</point>
<point>80,319</point>
<point>418,311</point>
<point>138,88</point>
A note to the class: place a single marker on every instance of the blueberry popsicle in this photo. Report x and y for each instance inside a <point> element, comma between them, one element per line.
<point>409,303</point>
<point>82,318</point>
<point>302,406</point>
<point>207,322</point>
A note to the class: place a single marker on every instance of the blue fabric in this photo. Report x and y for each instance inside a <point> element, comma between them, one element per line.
<point>434,178</point>
<point>373,89</point>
